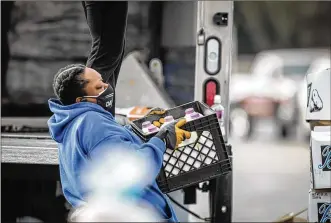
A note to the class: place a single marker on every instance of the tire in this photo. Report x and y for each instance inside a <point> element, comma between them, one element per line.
<point>241,123</point>
<point>284,132</point>
<point>287,127</point>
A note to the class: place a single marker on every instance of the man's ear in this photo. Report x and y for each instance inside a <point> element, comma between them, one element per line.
<point>78,99</point>
<point>82,99</point>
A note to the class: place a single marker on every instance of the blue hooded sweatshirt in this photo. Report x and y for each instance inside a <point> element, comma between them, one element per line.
<point>83,132</point>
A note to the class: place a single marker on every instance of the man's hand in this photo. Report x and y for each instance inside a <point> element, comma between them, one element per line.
<point>157,112</point>
<point>172,134</point>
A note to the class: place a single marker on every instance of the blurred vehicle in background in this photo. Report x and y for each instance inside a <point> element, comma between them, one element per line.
<point>247,101</point>
<point>269,90</point>
<point>303,129</point>
<point>293,64</point>
<point>319,64</point>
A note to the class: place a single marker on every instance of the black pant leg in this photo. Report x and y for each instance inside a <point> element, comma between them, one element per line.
<point>107,23</point>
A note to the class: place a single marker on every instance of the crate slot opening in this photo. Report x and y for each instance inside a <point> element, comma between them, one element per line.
<point>201,152</point>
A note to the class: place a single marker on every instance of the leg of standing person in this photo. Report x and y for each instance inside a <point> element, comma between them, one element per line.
<point>6,9</point>
<point>107,23</point>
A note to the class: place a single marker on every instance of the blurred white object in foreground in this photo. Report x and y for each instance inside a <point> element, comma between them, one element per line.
<point>115,181</point>
<point>116,210</point>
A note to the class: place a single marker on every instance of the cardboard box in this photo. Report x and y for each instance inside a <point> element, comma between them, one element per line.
<point>319,208</point>
<point>320,148</point>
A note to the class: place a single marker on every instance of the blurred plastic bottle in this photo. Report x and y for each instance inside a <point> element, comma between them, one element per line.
<point>219,110</point>
<point>190,114</point>
<point>148,127</point>
<point>193,116</point>
<point>168,119</point>
<point>145,126</point>
<point>152,128</point>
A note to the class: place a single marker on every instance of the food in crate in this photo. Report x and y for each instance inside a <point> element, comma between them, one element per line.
<point>200,158</point>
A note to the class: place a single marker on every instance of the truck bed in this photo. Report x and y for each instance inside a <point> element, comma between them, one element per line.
<point>28,149</point>
<point>29,156</point>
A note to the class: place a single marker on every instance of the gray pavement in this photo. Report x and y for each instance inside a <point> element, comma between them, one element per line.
<point>270,177</point>
<point>270,180</point>
<point>28,149</point>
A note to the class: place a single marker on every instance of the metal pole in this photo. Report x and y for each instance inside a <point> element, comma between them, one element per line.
<point>213,63</point>
<point>220,196</point>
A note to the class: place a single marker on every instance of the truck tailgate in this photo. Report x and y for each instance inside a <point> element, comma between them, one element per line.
<point>29,157</point>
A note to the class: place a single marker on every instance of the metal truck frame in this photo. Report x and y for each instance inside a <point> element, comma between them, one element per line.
<point>212,76</point>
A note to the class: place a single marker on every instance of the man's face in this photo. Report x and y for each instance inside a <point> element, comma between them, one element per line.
<point>94,86</point>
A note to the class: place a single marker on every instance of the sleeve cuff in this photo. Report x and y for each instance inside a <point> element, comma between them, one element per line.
<point>158,143</point>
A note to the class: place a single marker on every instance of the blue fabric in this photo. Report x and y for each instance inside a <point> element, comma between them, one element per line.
<point>84,131</point>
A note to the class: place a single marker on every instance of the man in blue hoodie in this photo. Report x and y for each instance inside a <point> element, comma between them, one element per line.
<point>83,123</point>
<point>84,129</point>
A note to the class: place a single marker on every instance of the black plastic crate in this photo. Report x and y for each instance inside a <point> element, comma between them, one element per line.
<point>202,160</point>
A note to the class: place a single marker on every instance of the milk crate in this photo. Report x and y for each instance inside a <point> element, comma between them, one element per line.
<point>203,159</point>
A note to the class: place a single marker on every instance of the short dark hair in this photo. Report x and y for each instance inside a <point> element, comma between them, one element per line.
<point>68,83</point>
